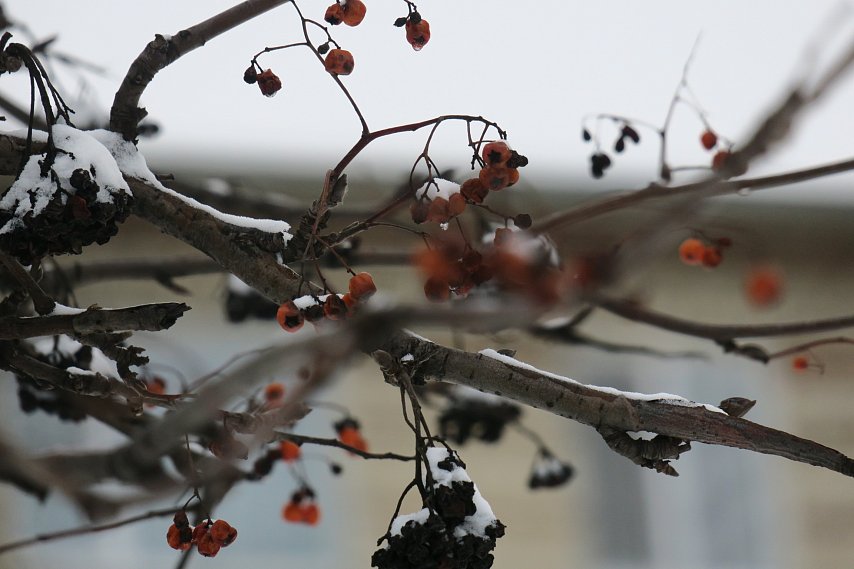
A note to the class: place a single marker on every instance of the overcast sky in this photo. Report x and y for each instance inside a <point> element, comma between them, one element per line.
<point>535,69</point>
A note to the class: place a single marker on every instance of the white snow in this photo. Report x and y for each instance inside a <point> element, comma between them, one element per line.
<point>437,188</point>
<point>62,310</point>
<point>307,300</point>
<point>237,286</point>
<point>548,466</point>
<point>132,163</point>
<point>667,398</point>
<point>524,244</point>
<point>419,517</point>
<point>218,186</point>
<point>408,358</point>
<point>31,192</point>
<point>66,345</point>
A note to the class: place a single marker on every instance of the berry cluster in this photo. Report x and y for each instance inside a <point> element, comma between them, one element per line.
<point>694,251</point>
<point>302,508</point>
<point>292,314</point>
<point>350,12</point>
<point>55,217</point>
<point>417,28</point>
<point>481,418</point>
<point>456,529</point>
<point>549,472</point>
<point>208,537</point>
<point>267,81</point>
<point>348,431</point>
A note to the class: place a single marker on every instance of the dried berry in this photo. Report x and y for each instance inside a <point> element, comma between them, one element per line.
<point>709,139</point>
<point>474,190</point>
<point>339,62</point>
<point>497,152</point>
<point>250,75</point>
<point>417,32</point>
<point>353,12</point>
<point>289,317</point>
<point>269,83</point>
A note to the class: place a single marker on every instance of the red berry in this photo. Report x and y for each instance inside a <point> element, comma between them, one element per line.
<point>199,531</point>
<point>334,308</point>
<point>709,139</point>
<point>156,385</point>
<point>351,436</point>
<point>362,286</point>
<point>289,317</point>
<point>175,537</point>
<point>719,159</point>
<point>496,177</point>
<point>437,290</point>
<point>269,83</point>
<point>290,451</point>
<point>339,62</point>
<point>310,514</point>
<point>207,546</point>
<point>456,204</point>
<point>800,363</point>
<point>691,251</point>
<point>417,34</point>
<point>334,14</point>
<point>292,512</point>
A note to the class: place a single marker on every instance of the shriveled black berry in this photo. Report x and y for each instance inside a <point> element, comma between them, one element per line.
<point>250,75</point>
<point>400,22</point>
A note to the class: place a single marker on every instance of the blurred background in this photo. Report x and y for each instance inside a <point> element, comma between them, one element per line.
<point>538,71</point>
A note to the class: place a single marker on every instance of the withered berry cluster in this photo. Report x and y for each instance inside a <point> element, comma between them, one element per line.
<point>483,420</point>
<point>435,541</point>
<point>72,219</point>
<point>208,537</point>
<point>333,307</point>
<point>599,161</point>
<point>349,433</point>
<point>694,251</point>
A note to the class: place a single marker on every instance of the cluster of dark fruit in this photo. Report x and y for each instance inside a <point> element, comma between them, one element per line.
<point>208,537</point>
<point>599,161</point>
<point>549,472</point>
<point>31,398</point>
<point>63,228</point>
<point>251,304</point>
<point>479,419</point>
<point>433,543</point>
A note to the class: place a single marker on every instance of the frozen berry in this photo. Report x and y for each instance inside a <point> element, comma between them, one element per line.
<point>289,317</point>
<point>474,190</point>
<point>497,152</point>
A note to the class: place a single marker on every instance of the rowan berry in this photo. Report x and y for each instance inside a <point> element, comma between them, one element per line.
<point>474,190</point>
<point>292,512</point>
<point>496,177</point>
<point>417,32</point>
<point>269,83</point>
<point>353,12</point>
<point>719,159</point>
<point>334,308</point>
<point>274,392</point>
<point>310,514</point>
<point>709,139</point>
<point>179,537</point>
<point>362,286</point>
<point>222,533</point>
<point>712,257</point>
<point>691,251</point>
<point>800,363</point>
<point>764,286</point>
<point>290,451</point>
<point>339,62</point>
<point>207,546</point>
<point>156,385</point>
<point>420,211</point>
<point>437,290</point>
<point>351,436</point>
<point>289,317</point>
<point>497,152</point>
<point>334,14</point>
<point>456,204</point>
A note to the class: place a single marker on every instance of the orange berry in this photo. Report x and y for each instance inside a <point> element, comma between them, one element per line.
<point>709,139</point>
<point>350,302</point>
<point>474,190</point>
<point>274,392</point>
<point>719,159</point>
<point>417,34</point>
<point>334,308</point>
<point>353,12</point>
<point>289,317</point>
<point>800,363</point>
<point>222,533</point>
<point>512,176</point>
<point>496,153</point>
<point>292,512</point>
<point>179,538</point>
<point>339,62</point>
<point>156,385</point>
<point>456,204</point>
<point>269,83</point>
<point>351,436</point>
<point>362,286</point>
<point>310,514</point>
<point>290,451</point>
<point>496,177</point>
<point>764,286</point>
<point>207,546</point>
<point>712,257</point>
<point>199,531</point>
<point>691,251</point>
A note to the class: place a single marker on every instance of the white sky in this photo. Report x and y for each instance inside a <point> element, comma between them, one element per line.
<point>535,69</point>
